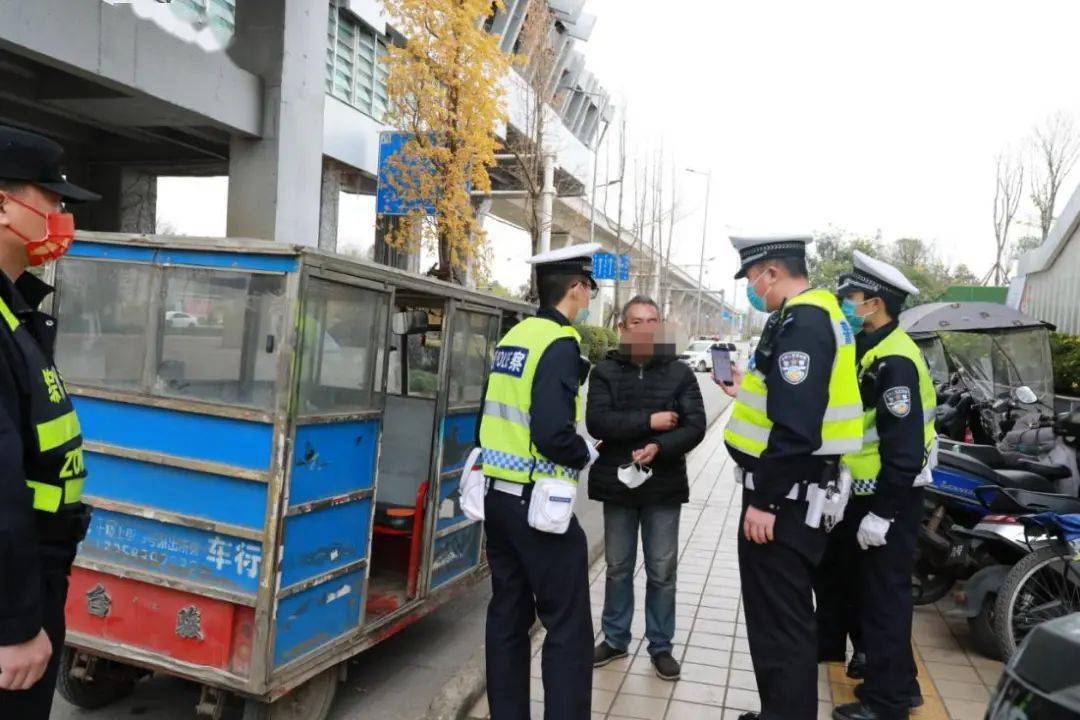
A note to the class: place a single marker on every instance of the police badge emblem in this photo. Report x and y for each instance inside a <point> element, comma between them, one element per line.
<point>898,400</point>
<point>794,367</point>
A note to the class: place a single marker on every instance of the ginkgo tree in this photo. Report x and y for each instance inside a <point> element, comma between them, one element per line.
<point>445,91</point>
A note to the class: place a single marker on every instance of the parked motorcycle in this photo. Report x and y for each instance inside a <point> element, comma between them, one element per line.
<point>1029,567</point>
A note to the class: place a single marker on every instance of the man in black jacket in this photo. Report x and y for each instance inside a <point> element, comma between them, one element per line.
<point>647,409</point>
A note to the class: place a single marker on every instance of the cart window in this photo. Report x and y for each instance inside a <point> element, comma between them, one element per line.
<point>102,315</point>
<point>473,343</point>
<point>220,334</point>
<point>343,333</point>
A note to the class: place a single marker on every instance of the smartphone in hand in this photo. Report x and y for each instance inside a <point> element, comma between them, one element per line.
<point>721,363</point>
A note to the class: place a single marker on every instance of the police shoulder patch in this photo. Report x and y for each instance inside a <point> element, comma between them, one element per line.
<point>794,366</point>
<point>510,361</point>
<point>898,400</point>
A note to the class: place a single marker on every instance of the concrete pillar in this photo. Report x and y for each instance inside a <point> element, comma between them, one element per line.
<point>275,181</point>
<point>328,205</point>
<point>128,201</point>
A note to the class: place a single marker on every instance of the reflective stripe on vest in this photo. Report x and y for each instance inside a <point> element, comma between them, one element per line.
<point>865,465</point>
<point>505,438</point>
<point>55,461</point>
<point>842,424</point>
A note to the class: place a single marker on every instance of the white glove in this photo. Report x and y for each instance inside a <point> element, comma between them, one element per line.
<point>872,531</point>
<point>594,454</point>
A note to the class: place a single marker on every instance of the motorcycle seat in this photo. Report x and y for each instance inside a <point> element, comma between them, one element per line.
<point>1043,502</point>
<point>1020,479</point>
<point>999,461</point>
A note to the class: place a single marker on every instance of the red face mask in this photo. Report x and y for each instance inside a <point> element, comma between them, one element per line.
<point>59,233</point>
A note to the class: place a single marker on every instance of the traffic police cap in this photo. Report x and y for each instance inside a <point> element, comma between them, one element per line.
<point>876,277</point>
<point>570,260</point>
<point>754,249</point>
<point>29,157</point>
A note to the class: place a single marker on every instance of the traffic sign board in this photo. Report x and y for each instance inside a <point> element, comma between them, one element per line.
<point>604,266</point>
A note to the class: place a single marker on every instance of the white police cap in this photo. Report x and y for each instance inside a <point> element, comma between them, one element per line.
<point>569,260</point>
<point>755,248</point>
<point>876,276</point>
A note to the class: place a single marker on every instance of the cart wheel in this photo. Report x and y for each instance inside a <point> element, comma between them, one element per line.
<point>110,683</point>
<point>310,701</point>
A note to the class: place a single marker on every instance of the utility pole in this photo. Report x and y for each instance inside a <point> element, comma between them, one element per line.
<point>618,221</point>
<point>704,237</point>
<point>547,203</point>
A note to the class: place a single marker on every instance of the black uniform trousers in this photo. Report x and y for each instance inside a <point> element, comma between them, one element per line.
<point>777,587</point>
<point>836,590</point>
<point>536,573</point>
<point>36,703</point>
<point>884,577</point>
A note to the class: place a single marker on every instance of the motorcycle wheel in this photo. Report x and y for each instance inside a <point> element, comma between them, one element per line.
<point>984,631</point>
<point>1042,586</point>
<point>927,586</point>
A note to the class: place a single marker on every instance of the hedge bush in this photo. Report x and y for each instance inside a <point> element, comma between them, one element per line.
<point>1065,351</point>
<point>597,341</point>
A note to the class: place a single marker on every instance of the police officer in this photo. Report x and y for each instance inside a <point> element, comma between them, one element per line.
<point>887,478</point>
<point>796,411</point>
<point>41,466</point>
<point>529,440</point>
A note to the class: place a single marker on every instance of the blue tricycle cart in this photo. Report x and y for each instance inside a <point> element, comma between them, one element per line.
<point>273,437</point>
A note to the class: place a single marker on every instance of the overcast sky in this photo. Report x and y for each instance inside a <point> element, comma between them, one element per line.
<point>862,115</point>
<point>866,116</point>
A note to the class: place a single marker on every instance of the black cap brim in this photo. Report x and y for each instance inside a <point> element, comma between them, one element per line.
<point>69,192</point>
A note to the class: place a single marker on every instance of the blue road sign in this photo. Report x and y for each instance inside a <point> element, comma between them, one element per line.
<point>604,266</point>
<point>387,200</point>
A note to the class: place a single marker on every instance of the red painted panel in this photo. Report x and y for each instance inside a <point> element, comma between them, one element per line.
<point>147,616</point>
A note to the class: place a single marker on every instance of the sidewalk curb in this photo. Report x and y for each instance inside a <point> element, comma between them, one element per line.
<point>462,691</point>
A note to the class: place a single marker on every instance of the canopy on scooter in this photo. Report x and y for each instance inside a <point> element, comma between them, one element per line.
<point>965,316</point>
<point>997,349</point>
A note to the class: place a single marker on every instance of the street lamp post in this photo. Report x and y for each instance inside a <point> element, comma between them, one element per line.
<point>704,237</point>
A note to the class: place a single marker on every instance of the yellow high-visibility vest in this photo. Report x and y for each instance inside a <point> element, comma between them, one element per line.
<point>865,465</point>
<point>749,428</point>
<point>508,450</point>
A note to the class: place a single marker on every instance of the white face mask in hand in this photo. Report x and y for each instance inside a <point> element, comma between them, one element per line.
<point>634,475</point>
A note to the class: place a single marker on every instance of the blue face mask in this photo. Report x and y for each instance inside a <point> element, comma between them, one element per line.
<point>756,301</point>
<point>581,316</point>
<point>855,320</point>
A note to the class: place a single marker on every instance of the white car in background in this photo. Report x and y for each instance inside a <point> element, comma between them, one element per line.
<point>177,319</point>
<point>698,355</point>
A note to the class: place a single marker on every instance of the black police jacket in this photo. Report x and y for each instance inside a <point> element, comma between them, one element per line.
<point>622,398</point>
<point>31,543</point>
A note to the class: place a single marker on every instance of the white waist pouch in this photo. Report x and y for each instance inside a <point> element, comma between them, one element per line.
<point>551,506</point>
<point>473,486</point>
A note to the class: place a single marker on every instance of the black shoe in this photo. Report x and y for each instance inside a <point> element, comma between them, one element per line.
<point>916,700</point>
<point>856,669</point>
<point>667,667</point>
<point>750,716</point>
<point>604,653</point>
<point>854,711</point>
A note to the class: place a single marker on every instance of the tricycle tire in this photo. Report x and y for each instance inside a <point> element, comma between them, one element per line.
<point>984,631</point>
<point>310,701</point>
<point>104,690</point>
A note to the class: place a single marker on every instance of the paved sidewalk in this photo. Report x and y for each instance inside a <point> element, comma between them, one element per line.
<point>717,677</point>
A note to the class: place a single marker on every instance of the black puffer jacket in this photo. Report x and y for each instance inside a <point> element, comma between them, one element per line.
<point>622,398</point>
